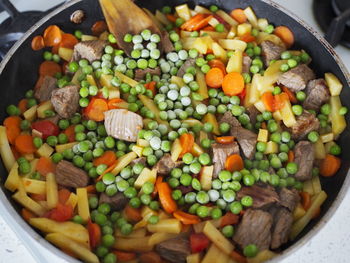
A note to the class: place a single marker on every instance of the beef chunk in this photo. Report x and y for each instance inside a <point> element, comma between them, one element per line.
<point>174,250</point>
<point>247,62</point>
<point>289,198</point>
<point>141,160</point>
<point>304,158</point>
<point>65,101</point>
<point>117,201</point>
<point>263,196</point>
<point>270,51</point>
<point>297,78</point>
<point>70,176</point>
<point>189,63</point>
<point>306,122</point>
<point>141,73</point>
<point>123,124</point>
<point>166,42</point>
<point>252,113</point>
<point>283,221</point>
<point>43,93</point>
<point>317,93</point>
<point>54,119</point>
<point>220,153</point>
<point>185,189</point>
<point>255,228</point>
<point>166,164</point>
<point>91,50</point>
<point>246,138</point>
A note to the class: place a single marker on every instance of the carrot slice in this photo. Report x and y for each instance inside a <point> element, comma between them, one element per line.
<point>150,257</point>
<point>225,139</point>
<point>52,36</point>
<point>239,15</point>
<point>330,165</point>
<point>269,101</point>
<point>233,84</point>
<point>26,214</point>
<point>99,27</point>
<point>13,129</point>
<point>45,166</point>
<point>190,24</point>
<point>280,100</point>
<point>114,103</point>
<point>159,180</point>
<point>229,219</point>
<point>38,43</point>
<point>24,144</point>
<point>63,195</point>
<point>290,94</point>
<point>22,105</point>
<point>152,87</point>
<point>94,234</point>
<point>123,256</point>
<point>68,41</point>
<point>187,142</point>
<point>202,23</point>
<point>95,110</point>
<point>247,38</point>
<point>49,68</point>
<point>70,132</point>
<point>185,218</point>
<point>290,156</point>
<point>171,18</point>
<point>132,214</point>
<point>166,199</point>
<point>216,63</point>
<point>214,78</point>
<point>305,200</point>
<point>107,158</point>
<point>238,257</point>
<point>209,28</point>
<point>285,34</point>
<point>234,162</point>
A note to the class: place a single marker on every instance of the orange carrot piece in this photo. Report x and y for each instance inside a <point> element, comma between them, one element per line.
<point>166,199</point>
<point>107,171</point>
<point>54,49</point>
<point>68,41</point>
<point>38,197</point>
<point>190,24</point>
<point>49,68</point>
<point>26,214</point>
<point>187,142</point>
<point>280,100</point>
<point>225,139</point>
<point>113,103</point>
<point>99,27</point>
<point>209,28</point>
<point>38,43</point>
<point>132,214</point>
<point>305,200</point>
<point>214,78</point>
<point>269,100</point>
<point>171,18</point>
<point>13,129</point>
<point>63,195</point>
<point>70,132</point>
<point>159,180</point>
<point>229,219</point>
<point>52,36</point>
<point>22,105</point>
<point>290,94</point>
<point>216,63</point>
<point>234,162</point>
<point>330,165</point>
<point>95,110</point>
<point>290,156</point>
<point>94,234</point>
<point>91,189</point>
<point>123,256</point>
<point>107,158</point>
<point>152,87</point>
<point>202,23</point>
<point>45,166</point>
<point>247,38</point>
<point>237,257</point>
<point>285,34</point>
<point>233,84</point>
<point>185,218</point>
<point>150,257</point>
<point>239,15</point>
<point>24,144</point>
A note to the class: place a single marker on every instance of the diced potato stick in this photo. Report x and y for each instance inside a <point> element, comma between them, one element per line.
<point>76,76</point>
<point>299,225</point>
<point>328,137</point>
<point>251,16</point>
<point>262,256</point>
<point>51,191</point>
<point>83,204</point>
<point>176,149</point>
<point>232,33</point>
<point>217,238</point>
<point>162,18</point>
<point>157,238</point>
<point>123,162</point>
<point>253,93</point>
<point>149,103</point>
<point>146,175</point>
<point>316,184</point>
<point>334,84</point>
<point>13,178</point>
<point>273,72</point>
<point>47,105</point>
<point>288,115</point>
<point>214,254</point>
<point>34,186</point>
<point>188,43</point>
<point>277,115</point>
<point>209,117</point>
<point>5,150</point>
<point>271,147</point>
<point>198,228</point>
<point>200,45</point>
<point>203,89</point>
<point>185,34</point>
<point>201,10</point>
<point>72,200</point>
<point>213,22</point>
<point>138,150</point>
<point>62,147</point>
<point>91,80</point>
<point>30,114</point>
<point>45,150</point>
<point>213,34</point>
<point>233,44</point>
<point>178,81</point>
<point>140,224</point>
<point>72,246</point>
<point>192,122</point>
<point>262,36</point>
<point>193,258</point>
<point>338,121</point>
<point>65,53</point>
<point>262,23</point>
<point>171,226</point>
<point>136,233</point>
<point>183,11</point>
<point>72,230</point>
<point>243,29</point>
<point>88,37</point>
<point>29,203</point>
<point>126,79</point>
<point>36,133</point>
<point>308,187</point>
<point>260,106</point>
<point>197,150</point>
<point>319,150</point>
<point>105,80</point>
<point>235,63</point>
<point>133,244</point>
<point>142,142</point>
<point>206,177</point>
<point>114,93</point>
<point>228,19</point>
<point>263,135</point>
<point>298,212</point>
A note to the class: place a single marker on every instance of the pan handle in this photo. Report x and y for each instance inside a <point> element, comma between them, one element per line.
<point>9,8</point>
<point>337,27</point>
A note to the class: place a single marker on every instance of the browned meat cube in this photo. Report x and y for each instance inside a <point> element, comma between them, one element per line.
<point>289,198</point>
<point>70,176</point>
<point>270,51</point>
<point>43,93</point>
<point>117,201</point>
<point>166,42</point>
<point>91,50</point>
<point>174,250</point>
<point>220,153</point>
<point>317,93</point>
<point>297,78</point>
<point>304,158</point>
<point>182,70</point>
<point>306,122</point>
<point>283,221</point>
<point>141,73</point>
<point>166,164</point>
<point>65,101</point>
<point>247,62</point>
<point>263,196</point>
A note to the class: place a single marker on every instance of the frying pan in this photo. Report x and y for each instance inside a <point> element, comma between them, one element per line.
<point>19,72</point>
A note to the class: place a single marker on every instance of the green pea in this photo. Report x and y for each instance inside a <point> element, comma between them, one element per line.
<point>326,109</point>
<point>202,211</point>
<point>343,110</point>
<point>284,67</point>
<point>135,202</point>
<point>235,207</point>
<point>248,179</point>
<point>335,149</point>
<point>313,136</point>
<point>13,110</point>
<point>220,28</point>
<point>292,168</point>
<point>216,213</point>
<point>202,197</point>
<point>250,250</point>
<point>300,95</point>
<point>228,231</point>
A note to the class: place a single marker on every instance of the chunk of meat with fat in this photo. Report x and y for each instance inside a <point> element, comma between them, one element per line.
<point>247,62</point>
<point>141,160</point>
<point>252,113</point>
<point>117,201</point>
<point>141,73</point>
<point>254,228</point>
<point>304,158</point>
<point>123,124</point>
<point>289,198</point>
<point>220,153</point>
<point>166,164</point>
<point>263,195</point>
<point>283,220</point>
<point>174,250</point>
<point>70,176</point>
<point>188,63</point>
<point>297,78</point>
<point>91,50</point>
<point>270,51</point>
<point>43,92</point>
<point>166,42</point>
<point>317,93</point>
<point>66,101</point>
<point>306,123</point>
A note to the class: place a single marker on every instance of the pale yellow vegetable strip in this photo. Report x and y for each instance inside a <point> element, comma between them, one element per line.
<point>299,225</point>
<point>126,79</point>
<point>338,121</point>
<point>157,238</point>
<point>88,37</point>
<point>193,258</point>
<point>30,114</point>
<point>34,186</point>
<point>235,63</point>
<point>75,79</point>
<point>183,11</point>
<point>209,117</point>
<point>51,191</point>
<point>5,150</point>
<point>123,162</point>
<point>251,16</point>
<point>201,10</point>
<point>206,177</point>
<point>203,89</point>
<point>319,149</point>
<point>136,233</point>
<point>62,147</point>
<point>133,244</point>
<point>316,184</point>
<point>217,238</point>
<point>288,115</point>
<point>334,84</point>
<point>91,80</point>
<point>214,254</point>
<point>226,17</point>
<point>11,182</point>
<point>83,204</point>
<point>29,203</point>
<point>176,149</point>
<point>149,103</point>
<point>45,150</point>
<point>171,226</point>
<point>146,175</point>
<point>72,200</point>
<point>308,187</point>
<point>76,248</point>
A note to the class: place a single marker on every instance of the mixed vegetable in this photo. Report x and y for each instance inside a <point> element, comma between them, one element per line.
<point>206,144</point>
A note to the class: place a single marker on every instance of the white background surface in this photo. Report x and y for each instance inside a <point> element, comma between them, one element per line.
<point>331,244</point>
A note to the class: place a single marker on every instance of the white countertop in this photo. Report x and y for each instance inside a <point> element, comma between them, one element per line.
<point>331,244</point>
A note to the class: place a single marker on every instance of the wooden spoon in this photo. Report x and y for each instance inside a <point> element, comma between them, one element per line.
<point>123,17</point>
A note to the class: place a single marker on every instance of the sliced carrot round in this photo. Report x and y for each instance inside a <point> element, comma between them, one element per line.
<point>38,43</point>
<point>95,110</point>
<point>285,34</point>
<point>216,63</point>
<point>52,36</point>
<point>214,78</point>
<point>68,41</point>
<point>239,15</point>
<point>234,162</point>
<point>49,68</point>
<point>24,144</point>
<point>233,84</point>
